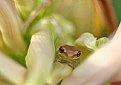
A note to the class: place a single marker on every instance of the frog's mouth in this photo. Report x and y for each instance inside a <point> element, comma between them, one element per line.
<point>64,59</point>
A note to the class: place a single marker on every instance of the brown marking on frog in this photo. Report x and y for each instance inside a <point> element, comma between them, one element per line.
<point>69,51</point>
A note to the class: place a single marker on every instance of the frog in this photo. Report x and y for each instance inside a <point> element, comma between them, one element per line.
<point>69,55</point>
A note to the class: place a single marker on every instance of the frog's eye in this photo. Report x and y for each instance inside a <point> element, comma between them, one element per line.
<point>61,49</point>
<point>78,53</point>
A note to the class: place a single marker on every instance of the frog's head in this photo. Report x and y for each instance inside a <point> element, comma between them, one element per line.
<point>70,51</point>
<point>69,55</point>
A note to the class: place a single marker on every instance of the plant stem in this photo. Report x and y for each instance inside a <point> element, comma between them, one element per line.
<point>33,15</point>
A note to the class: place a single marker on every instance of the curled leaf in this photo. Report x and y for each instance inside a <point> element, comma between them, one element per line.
<point>87,40</point>
<point>101,41</point>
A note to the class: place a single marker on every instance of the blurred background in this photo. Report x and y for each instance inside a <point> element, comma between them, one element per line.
<point>100,17</point>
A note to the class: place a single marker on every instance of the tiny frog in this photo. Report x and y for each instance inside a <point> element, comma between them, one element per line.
<point>69,55</point>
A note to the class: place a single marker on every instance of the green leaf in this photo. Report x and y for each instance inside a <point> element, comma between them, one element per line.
<point>87,40</point>
<point>101,41</point>
<point>40,58</point>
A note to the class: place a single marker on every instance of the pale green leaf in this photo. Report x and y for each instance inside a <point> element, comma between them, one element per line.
<point>101,41</point>
<point>87,40</point>
<point>39,58</point>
